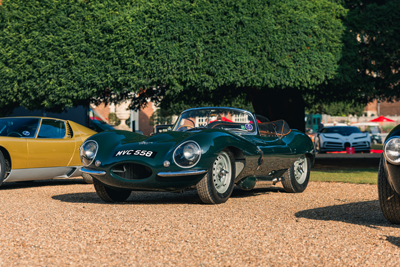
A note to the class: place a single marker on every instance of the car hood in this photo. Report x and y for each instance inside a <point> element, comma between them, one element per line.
<point>116,146</point>
<point>119,140</point>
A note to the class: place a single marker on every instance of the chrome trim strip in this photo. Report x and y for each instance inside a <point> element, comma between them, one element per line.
<point>181,173</point>
<point>32,174</point>
<point>93,172</point>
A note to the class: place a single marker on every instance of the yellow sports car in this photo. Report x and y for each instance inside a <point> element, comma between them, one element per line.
<point>39,148</point>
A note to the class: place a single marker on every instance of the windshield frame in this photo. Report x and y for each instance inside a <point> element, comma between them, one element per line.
<point>254,132</point>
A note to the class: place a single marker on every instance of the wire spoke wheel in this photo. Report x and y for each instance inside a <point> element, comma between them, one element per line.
<point>295,180</point>
<point>300,169</point>
<point>222,172</point>
<point>217,185</point>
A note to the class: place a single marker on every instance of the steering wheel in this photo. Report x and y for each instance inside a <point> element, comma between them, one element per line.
<point>14,134</point>
<point>194,124</point>
<point>187,127</point>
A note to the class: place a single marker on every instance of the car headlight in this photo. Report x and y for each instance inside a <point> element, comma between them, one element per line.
<point>88,152</point>
<point>187,154</point>
<point>392,151</point>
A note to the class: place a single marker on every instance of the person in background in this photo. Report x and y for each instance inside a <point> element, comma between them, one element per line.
<point>320,125</point>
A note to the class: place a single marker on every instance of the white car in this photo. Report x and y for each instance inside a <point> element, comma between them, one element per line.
<point>338,138</point>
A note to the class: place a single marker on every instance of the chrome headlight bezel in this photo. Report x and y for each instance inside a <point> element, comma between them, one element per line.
<point>391,150</point>
<point>187,154</point>
<point>86,159</point>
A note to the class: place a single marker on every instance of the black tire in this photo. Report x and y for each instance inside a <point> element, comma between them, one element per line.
<point>3,168</point>
<point>109,194</point>
<point>388,198</point>
<point>87,178</point>
<point>213,190</point>
<point>293,185</point>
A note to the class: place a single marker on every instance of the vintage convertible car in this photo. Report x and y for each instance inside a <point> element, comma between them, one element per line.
<point>40,148</point>
<point>338,138</point>
<point>389,177</point>
<point>210,149</point>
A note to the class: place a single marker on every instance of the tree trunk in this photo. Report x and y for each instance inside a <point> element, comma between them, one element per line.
<point>275,104</point>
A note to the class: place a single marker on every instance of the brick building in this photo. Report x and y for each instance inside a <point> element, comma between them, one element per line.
<point>382,108</point>
<point>140,119</point>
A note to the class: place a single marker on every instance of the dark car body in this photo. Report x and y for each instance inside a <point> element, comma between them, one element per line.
<point>389,177</point>
<point>261,151</point>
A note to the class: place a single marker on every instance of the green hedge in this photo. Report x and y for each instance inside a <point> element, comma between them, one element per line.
<point>60,53</point>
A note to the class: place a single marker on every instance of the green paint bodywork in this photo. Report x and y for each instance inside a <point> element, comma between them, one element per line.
<point>255,156</point>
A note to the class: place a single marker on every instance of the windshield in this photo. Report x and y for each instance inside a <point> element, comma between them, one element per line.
<point>374,129</point>
<point>216,118</point>
<point>19,127</point>
<point>343,130</point>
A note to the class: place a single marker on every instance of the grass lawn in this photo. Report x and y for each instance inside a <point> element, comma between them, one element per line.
<point>377,147</point>
<point>355,176</point>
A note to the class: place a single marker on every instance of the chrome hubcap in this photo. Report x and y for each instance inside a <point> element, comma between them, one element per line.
<point>222,173</point>
<point>300,169</point>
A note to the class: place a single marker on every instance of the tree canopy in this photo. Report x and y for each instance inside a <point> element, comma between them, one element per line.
<point>58,54</point>
<point>370,62</point>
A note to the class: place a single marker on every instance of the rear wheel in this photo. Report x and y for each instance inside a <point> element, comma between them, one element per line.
<point>297,177</point>
<point>217,185</point>
<point>388,198</point>
<point>109,194</point>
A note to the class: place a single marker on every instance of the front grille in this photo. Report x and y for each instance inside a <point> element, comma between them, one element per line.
<point>361,145</point>
<point>132,171</point>
<point>333,145</point>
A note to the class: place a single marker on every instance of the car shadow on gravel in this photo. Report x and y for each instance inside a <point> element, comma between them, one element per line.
<point>40,183</point>
<point>394,240</point>
<point>239,193</point>
<point>367,213</point>
<point>137,197</point>
<point>148,197</point>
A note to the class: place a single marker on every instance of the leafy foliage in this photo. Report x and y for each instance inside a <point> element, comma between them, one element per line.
<point>370,63</point>
<point>58,54</point>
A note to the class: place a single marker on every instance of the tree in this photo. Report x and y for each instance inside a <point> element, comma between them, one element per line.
<point>272,53</point>
<point>370,62</point>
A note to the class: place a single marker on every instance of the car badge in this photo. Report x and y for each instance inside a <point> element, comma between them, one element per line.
<point>145,143</point>
<point>26,133</point>
<point>249,127</point>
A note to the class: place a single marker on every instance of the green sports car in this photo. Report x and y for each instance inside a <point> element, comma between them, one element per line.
<point>210,149</point>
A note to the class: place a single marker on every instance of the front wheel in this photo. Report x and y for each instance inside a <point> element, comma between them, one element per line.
<point>217,185</point>
<point>297,177</point>
<point>109,194</point>
<point>388,198</point>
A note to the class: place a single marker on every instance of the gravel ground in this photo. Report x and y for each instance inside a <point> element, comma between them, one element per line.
<point>64,223</point>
